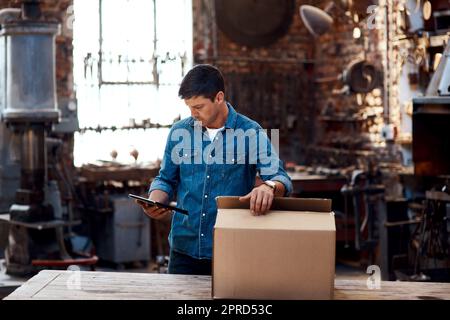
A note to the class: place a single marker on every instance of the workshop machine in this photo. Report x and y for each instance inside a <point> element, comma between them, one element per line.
<point>431,156</point>
<point>30,202</point>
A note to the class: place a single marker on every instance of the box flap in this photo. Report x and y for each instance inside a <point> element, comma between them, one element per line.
<point>285,204</point>
<point>286,214</point>
<point>275,220</point>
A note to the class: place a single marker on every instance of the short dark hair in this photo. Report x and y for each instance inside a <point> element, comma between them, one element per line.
<point>202,80</point>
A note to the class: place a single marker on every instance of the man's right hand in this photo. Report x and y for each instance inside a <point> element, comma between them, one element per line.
<point>154,211</point>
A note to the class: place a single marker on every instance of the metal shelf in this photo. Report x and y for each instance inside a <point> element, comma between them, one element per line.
<point>341,119</point>
<point>364,153</point>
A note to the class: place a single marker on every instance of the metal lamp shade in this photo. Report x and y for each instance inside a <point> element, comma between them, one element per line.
<point>316,20</point>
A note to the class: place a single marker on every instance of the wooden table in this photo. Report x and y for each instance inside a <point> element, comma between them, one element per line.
<point>51,284</point>
<point>303,182</point>
<point>92,173</point>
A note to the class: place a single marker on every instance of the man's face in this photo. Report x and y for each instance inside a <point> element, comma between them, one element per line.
<point>203,109</point>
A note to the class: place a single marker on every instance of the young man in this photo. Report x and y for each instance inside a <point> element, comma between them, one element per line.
<point>215,152</point>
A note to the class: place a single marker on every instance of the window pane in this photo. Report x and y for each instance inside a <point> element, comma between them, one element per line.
<point>128,33</point>
<point>127,40</point>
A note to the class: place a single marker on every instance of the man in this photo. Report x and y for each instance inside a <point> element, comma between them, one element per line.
<point>215,152</point>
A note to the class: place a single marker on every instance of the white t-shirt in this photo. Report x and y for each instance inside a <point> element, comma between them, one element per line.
<point>213,132</point>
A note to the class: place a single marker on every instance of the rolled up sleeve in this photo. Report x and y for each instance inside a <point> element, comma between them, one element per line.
<point>269,165</point>
<point>285,180</point>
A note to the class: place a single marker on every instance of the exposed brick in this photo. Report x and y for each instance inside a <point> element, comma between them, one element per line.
<point>331,54</point>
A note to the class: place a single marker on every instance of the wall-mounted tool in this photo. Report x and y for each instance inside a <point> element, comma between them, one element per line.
<point>360,76</point>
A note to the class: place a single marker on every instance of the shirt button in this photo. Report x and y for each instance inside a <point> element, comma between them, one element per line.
<point>210,156</point>
<point>203,215</point>
<point>203,235</point>
<point>207,177</point>
<point>206,196</point>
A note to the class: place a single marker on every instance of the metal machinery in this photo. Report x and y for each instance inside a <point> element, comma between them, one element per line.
<point>28,109</point>
<point>120,232</point>
<point>431,155</point>
<point>424,256</point>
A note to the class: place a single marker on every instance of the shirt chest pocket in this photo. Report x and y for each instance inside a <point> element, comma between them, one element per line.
<point>191,159</point>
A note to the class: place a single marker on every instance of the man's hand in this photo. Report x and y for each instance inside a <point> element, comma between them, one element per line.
<point>154,211</point>
<point>261,198</point>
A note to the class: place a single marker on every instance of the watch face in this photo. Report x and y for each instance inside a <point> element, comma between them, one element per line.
<point>270,183</point>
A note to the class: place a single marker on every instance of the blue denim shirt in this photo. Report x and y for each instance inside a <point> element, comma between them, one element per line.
<point>198,170</point>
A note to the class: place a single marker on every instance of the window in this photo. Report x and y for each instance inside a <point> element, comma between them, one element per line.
<point>129,59</point>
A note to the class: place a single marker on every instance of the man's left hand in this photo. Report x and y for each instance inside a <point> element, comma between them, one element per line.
<point>261,199</point>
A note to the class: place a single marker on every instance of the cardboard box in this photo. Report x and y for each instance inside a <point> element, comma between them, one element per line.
<point>289,253</point>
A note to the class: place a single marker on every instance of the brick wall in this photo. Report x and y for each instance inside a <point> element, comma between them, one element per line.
<point>349,123</point>
<point>316,125</point>
<point>271,84</point>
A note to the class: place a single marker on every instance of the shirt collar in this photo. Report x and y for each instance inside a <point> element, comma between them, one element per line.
<point>231,119</point>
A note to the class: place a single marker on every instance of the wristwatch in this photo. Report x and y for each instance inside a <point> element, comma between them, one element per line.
<point>271,184</point>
